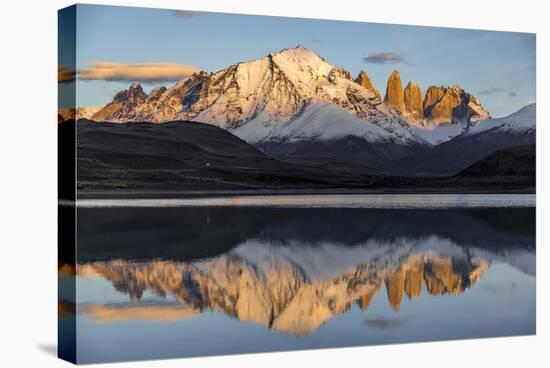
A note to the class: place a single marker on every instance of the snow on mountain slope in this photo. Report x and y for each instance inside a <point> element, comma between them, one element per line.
<point>521,121</point>
<point>472,145</point>
<point>440,133</point>
<point>245,90</point>
<point>277,88</point>
<point>303,67</point>
<point>322,121</point>
<point>326,260</point>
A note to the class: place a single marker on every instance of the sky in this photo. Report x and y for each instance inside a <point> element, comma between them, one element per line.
<point>116,46</point>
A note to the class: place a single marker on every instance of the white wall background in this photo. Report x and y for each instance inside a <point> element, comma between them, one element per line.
<point>28,187</point>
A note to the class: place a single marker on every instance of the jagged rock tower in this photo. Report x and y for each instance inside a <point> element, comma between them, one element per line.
<point>364,80</point>
<point>394,92</point>
<point>413,103</point>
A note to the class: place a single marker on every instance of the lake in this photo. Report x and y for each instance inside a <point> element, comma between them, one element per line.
<point>169,278</point>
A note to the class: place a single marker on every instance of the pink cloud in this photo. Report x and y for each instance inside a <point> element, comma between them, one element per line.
<point>144,72</point>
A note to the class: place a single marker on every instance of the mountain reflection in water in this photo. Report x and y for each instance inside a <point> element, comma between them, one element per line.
<point>182,274</point>
<point>278,292</point>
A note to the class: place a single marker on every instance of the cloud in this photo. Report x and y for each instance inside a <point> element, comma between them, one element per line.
<point>316,40</point>
<point>64,74</point>
<point>491,91</point>
<point>383,323</point>
<point>185,13</point>
<point>490,289</point>
<point>497,91</point>
<point>386,58</point>
<point>124,312</point>
<point>141,72</point>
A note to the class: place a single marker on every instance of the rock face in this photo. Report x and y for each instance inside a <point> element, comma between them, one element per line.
<point>433,96</point>
<point>452,105</point>
<point>394,92</point>
<point>414,110</point>
<point>364,80</point>
<point>124,104</point>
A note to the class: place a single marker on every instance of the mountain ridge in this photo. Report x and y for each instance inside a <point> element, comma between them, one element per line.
<point>267,92</point>
<point>463,150</point>
<point>294,106</point>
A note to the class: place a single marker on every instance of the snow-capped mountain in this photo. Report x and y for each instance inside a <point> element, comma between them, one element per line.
<point>256,98</point>
<point>295,95</point>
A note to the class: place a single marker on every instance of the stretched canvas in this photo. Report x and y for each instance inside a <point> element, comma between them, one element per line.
<point>236,184</point>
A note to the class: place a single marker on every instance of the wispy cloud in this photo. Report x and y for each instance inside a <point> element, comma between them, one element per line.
<point>491,91</point>
<point>384,323</point>
<point>64,74</point>
<point>141,72</point>
<point>497,91</point>
<point>316,40</point>
<point>185,13</point>
<point>386,57</point>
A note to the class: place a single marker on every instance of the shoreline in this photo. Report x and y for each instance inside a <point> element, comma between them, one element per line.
<point>184,194</point>
<point>342,200</point>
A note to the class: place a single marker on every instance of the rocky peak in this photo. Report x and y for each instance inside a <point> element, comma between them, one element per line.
<point>414,111</point>
<point>452,105</point>
<point>338,73</point>
<point>156,93</point>
<point>133,95</point>
<point>123,106</point>
<point>394,92</point>
<point>433,95</point>
<point>136,94</point>
<point>298,50</point>
<point>364,80</point>
<point>299,59</point>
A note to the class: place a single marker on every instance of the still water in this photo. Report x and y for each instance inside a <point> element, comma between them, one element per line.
<point>161,282</point>
<point>385,201</point>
